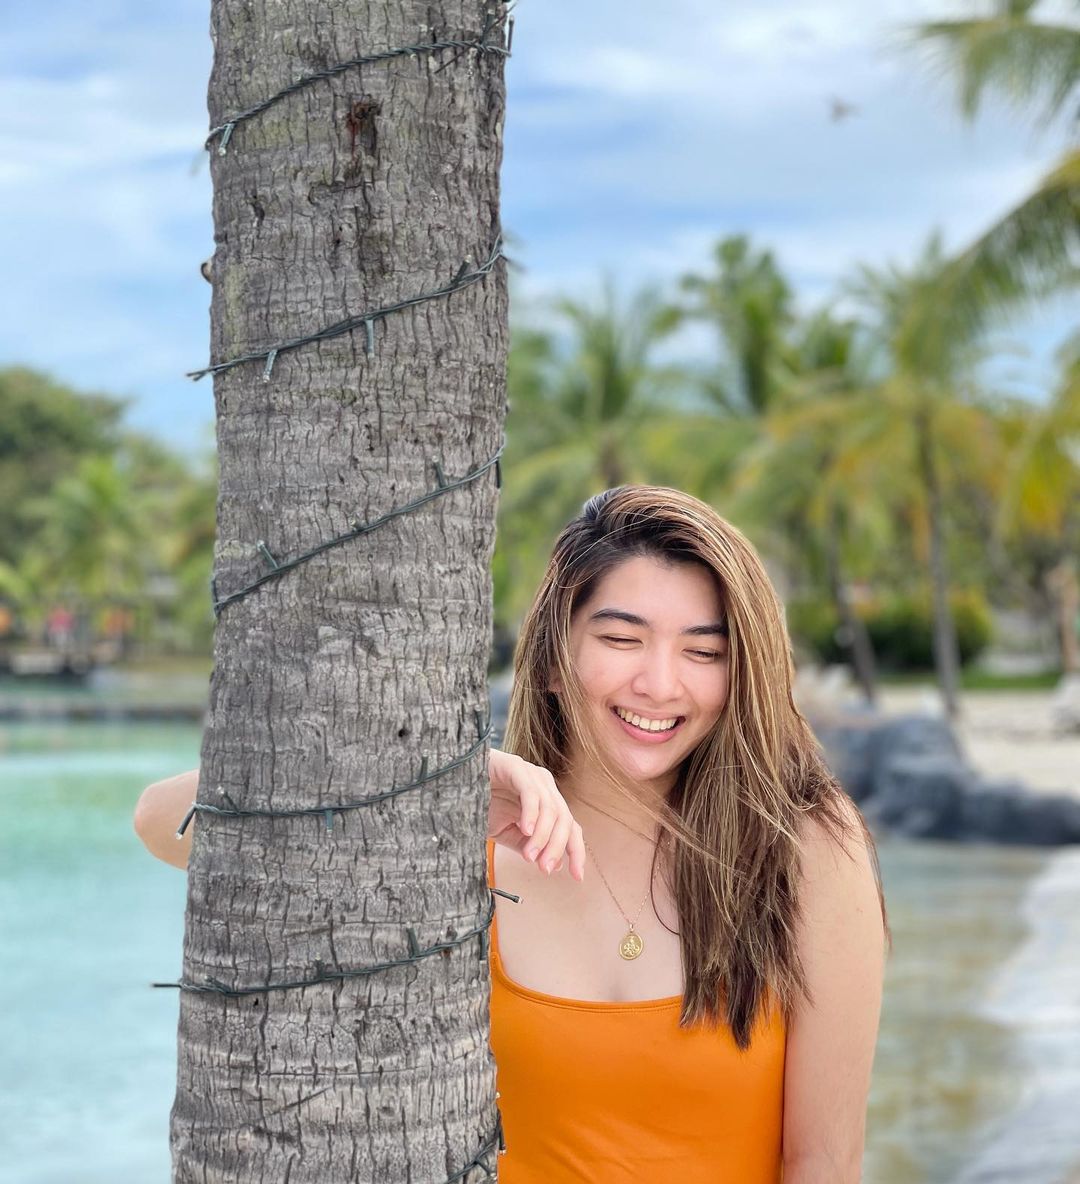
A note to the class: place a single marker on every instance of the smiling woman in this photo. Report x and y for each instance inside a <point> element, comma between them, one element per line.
<point>729,1033</point>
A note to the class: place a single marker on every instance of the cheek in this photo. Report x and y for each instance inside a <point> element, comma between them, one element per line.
<point>714,693</point>
<point>598,671</point>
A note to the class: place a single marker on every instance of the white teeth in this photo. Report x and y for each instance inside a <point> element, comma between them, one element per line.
<point>646,725</point>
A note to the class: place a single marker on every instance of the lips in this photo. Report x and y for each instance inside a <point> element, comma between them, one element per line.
<point>647,737</point>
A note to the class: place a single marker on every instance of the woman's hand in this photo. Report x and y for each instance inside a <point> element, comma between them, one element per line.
<point>530,816</point>
<point>158,814</point>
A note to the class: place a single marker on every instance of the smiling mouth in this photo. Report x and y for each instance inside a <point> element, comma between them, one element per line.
<point>679,721</point>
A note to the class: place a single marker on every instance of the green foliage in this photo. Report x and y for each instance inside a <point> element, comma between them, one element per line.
<point>749,302</point>
<point>812,623</point>
<point>900,627</point>
<point>88,533</point>
<point>44,428</point>
<point>806,429</point>
<point>1034,64</point>
<point>96,517</point>
<point>583,400</point>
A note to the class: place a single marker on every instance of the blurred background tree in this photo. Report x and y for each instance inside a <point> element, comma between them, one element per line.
<point>1034,64</point>
<point>98,518</point>
<point>896,494</point>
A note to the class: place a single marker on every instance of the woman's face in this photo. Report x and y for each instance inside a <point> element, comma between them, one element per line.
<point>669,662</point>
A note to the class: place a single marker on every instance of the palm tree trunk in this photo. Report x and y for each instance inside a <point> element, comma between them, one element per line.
<point>612,471</point>
<point>946,650</point>
<point>361,668</point>
<point>854,629</point>
<point>1062,585</point>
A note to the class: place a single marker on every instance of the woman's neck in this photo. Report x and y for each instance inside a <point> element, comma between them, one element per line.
<point>610,814</point>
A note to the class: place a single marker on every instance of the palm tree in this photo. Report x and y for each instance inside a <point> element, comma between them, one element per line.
<point>928,399</point>
<point>89,537</point>
<point>749,303</point>
<point>1040,502</point>
<point>357,226</point>
<point>812,482</point>
<point>46,428</point>
<point>1031,250</point>
<point>586,399</point>
<point>830,377</point>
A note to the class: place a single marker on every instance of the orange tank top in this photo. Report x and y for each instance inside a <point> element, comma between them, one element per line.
<point>594,1092</point>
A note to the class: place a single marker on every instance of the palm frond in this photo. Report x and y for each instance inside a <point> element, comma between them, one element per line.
<point>1030,63</point>
<point>1028,254</point>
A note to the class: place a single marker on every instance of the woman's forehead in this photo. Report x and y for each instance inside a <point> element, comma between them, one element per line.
<point>656,591</point>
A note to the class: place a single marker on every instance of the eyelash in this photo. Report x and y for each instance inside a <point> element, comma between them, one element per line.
<point>703,653</point>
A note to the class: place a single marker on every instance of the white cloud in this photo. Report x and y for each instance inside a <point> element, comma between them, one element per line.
<point>636,135</point>
<point>58,129</point>
<point>763,58</point>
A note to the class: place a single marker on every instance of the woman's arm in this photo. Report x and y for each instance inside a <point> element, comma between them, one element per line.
<point>518,790</point>
<point>159,812</point>
<point>830,1044</point>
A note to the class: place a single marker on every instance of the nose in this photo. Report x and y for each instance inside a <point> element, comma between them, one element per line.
<point>656,679</point>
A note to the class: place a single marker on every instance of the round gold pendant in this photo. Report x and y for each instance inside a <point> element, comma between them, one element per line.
<point>630,946</point>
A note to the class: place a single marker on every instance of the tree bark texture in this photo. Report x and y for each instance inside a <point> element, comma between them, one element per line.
<point>334,680</point>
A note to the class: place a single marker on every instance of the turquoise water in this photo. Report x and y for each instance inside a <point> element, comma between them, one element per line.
<point>981,985</point>
<point>87,921</point>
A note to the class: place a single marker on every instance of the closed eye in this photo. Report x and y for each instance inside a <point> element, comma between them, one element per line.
<point>701,653</point>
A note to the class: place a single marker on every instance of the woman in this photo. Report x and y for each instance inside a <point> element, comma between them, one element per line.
<point>728,1033</point>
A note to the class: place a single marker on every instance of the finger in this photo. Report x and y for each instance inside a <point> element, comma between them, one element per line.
<point>512,784</point>
<point>530,798</point>
<point>546,818</point>
<point>556,845</point>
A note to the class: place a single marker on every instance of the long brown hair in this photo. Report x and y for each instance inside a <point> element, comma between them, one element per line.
<point>733,815</point>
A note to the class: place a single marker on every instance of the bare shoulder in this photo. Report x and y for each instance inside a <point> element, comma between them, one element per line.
<point>841,901</point>
<point>824,852</point>
<point>830,1050</point>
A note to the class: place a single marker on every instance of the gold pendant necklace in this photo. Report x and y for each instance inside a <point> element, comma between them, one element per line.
<point>632,943</point>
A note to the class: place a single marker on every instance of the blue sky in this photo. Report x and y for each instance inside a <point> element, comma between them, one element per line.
<point>636,135</point>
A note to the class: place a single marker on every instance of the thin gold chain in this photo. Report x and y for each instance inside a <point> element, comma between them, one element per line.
<point>612,894</point>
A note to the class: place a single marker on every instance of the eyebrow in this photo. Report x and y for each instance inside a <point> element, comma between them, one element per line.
<point>618,614</point>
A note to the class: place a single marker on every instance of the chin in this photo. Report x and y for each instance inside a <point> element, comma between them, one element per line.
<point>651,765</point>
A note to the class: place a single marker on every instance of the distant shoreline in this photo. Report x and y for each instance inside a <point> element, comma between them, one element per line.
<point>40,710</point>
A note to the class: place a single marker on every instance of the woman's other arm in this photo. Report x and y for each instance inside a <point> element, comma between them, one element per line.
<point>830,1045</point>
<point>160,810</point>
<point>521,794</point>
